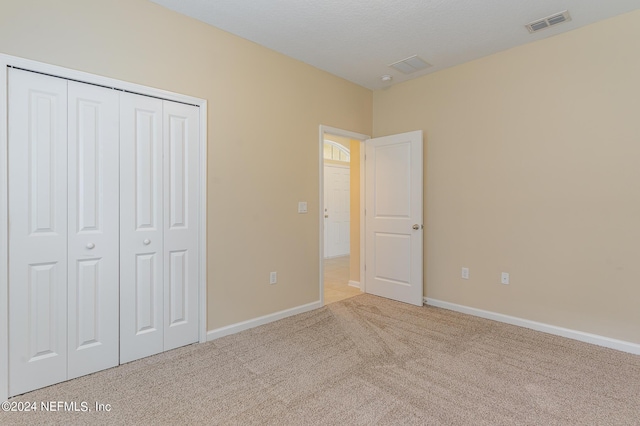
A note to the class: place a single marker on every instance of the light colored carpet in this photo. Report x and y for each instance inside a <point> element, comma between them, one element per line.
<point>364,360</point>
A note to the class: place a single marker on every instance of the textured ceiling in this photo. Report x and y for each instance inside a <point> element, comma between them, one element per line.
<point>358,39</point>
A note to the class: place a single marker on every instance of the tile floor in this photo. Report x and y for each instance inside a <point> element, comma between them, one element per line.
<point>336,280</point>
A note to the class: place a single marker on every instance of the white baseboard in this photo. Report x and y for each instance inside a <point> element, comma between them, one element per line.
<point>621,345</point>
<point>266,319</point>
<point>355,284</point>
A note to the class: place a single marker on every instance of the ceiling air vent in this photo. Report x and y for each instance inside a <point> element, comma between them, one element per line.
<point>410,64</point>
<point>549,21</point>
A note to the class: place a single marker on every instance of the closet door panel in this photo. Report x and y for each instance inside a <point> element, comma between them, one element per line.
<point>181,189</point>
<point>93,188</point>
<point>37,230</point>
<point>141,223</point>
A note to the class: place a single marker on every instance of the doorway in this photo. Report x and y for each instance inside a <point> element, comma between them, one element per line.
<point>391,192</point>
<point>341,216</point>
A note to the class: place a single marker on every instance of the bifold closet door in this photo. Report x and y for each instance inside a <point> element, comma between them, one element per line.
<point>63,210</point>
<point>158,226</point>
<point>93,227</point>
<point>181,189</point>
<point>141,227</point>
<point>37,148</point>
<point>103,228</point>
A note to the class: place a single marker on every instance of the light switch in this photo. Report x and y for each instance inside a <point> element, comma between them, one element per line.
<point>302,206</point>
<point>465,273</point>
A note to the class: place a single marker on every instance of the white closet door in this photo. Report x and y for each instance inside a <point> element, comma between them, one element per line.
<point>181,194</point>
<point>141,227</point>
<point>93,318</point>
<point>37,231</point>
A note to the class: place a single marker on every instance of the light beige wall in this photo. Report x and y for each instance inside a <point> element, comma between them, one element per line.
<point>261,104</point>
<point>533,167</point>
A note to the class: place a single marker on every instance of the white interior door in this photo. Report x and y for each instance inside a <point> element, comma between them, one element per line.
<point>337,216</point>
<point>93,228</point>
<point>141,225</point>
<point>394,217</point>
<point>181,192</point>
<point>37,147</point>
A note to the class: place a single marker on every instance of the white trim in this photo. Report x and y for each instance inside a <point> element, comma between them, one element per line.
<point>607,342</point>
<point>266,319</point>
<point>352,135</point>
<point>354,284</point>
<point>321,213</point>
<point>6,61</point>
<point>4,239</point>
<point>363,229</point>
<point>202,290</point>
<point>85,77</point>
<point>344,133</point>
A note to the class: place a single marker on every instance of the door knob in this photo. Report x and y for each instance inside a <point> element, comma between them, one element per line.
<point>416,226</point>
<point>147,242</point>
<point>90,246</point>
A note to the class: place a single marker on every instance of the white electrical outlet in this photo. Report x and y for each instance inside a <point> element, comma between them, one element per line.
<point>302,207</point>
<point>273,277</point>
<point>505,278</point>
<point>465,273</point>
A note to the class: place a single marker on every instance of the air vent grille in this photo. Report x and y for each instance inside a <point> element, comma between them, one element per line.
<point>549,21</point>
<point>411,64</point>
<point>537,26</point>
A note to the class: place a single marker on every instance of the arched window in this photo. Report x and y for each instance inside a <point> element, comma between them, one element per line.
<point>335,151</point>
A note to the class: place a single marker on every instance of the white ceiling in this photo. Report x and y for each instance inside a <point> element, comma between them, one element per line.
<point>358,39</point>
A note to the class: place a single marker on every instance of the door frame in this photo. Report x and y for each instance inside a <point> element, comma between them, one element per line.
<point>7,61</point>
<point>362,138</point>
